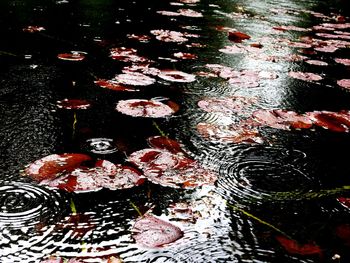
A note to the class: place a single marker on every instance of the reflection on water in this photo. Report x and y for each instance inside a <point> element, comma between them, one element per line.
<point>275,202</point>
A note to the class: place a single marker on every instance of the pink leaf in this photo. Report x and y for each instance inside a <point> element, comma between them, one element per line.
<point>144,108</point>
<point>306,76</point>
<point>150,231</point>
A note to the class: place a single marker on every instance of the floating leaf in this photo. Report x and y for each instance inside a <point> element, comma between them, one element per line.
<point>144,108</point>
<point>113,85</point>
<point>282,119</point>
<point>152,232</point>
<point>238,133</point>
<point>189,13</point>
<point>140,38</point>
<point>51,166</point>
<point>344,61</point>
<point>345,202</point>
<point>176,76</point>
<point>73,104</point>
<point>334,121</point>
<point>164,143</point>
<point>103,175</point>
<point>127,55</point>
<point>32,29</point>
<point>306,76</point>
<point>72,56</point>
<point>169,36</point>
<point>316,62</point>
<point>294,247</point>
<point>237,36</point>
<point>134,79</point>
<point>170,169</point>
<point>185,55</point>
<point>345,83</point>
<point>228,105</point>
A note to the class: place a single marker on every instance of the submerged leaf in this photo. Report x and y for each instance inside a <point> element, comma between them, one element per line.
<point>295,248</point>
<point>237,36</point>
<point>152,232</point>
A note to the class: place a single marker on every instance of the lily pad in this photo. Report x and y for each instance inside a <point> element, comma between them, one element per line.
<point>144,108</point>
<point>73,104</point>
<point>152,232</point>
<point>176,76</point>
<point>51,166</point>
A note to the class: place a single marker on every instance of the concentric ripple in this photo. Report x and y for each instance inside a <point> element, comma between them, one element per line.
<point>26,214</point>
<point>26,205</point>
<point>101,145</point>
<point>257,174</point>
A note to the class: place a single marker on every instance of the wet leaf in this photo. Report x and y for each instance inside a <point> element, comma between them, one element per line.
<point>228,105</point>
<point>171,169</point>
<point>51,166</point>
<point>316,62</point>
<point>127,55</point>
<point>306,76</point>
<point>345,202</point>
<point>345,83</point>
<point>169,36</point>
<point>152,232</point>
<point>140,38</point>
<point>236,133</point>
<point>176,76</point>
<point>72,56</point>
<point>164,143</point>
<point>237,37</point>
<point>185,56</point>
<point>282,119</point>
<point>343,61</point>
<point>134,79</point>
<point>294,247</point>
<point>73,104</point>
<point>104,174</point>
<point>189,13</point>
<point>113,85</point>
<point>334,121</point>
<point>33,29</point>
<point>144,108</point>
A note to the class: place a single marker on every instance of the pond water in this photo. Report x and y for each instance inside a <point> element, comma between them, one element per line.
<point>282,179</point>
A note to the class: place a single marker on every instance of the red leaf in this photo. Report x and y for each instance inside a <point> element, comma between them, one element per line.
<point>73,104</point>
<point>169,36</point>
<point>185,55</point>
<point>51,166</point>
<point>343,232</point>
<point>73,56</point>
<point>294,248</point>
<point>334,121</point>
<point>104,174</point>
<point>237,36</point>
<point>150,231</point>
<point>113,85</point>
<point>169,169</point>
<point>164,143</point>
<point>345,202</point>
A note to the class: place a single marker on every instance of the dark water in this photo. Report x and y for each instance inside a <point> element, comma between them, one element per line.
<point>289,184</point>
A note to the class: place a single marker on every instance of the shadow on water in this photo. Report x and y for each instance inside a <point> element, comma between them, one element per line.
<point>282,201</point>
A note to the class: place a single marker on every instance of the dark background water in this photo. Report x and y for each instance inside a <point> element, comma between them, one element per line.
<point>292,183</point>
